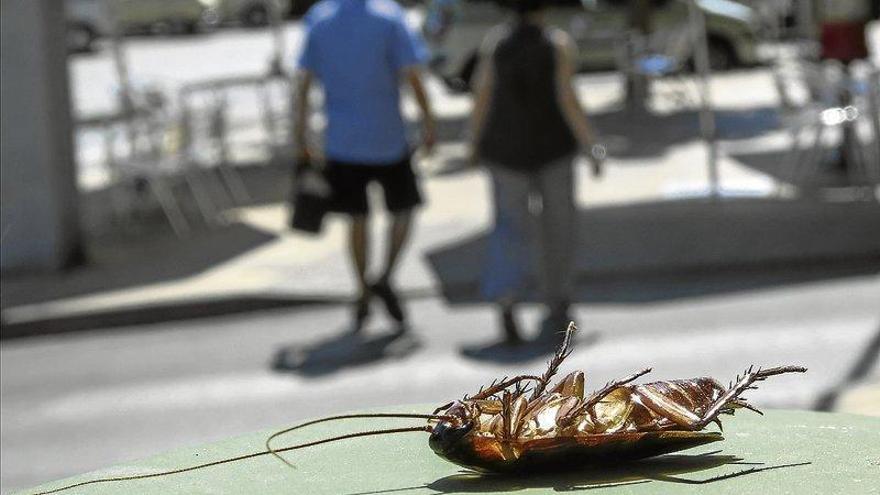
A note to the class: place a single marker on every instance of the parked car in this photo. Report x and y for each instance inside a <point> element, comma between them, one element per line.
<point>251,13</point>
<point>87,20</point>
<point>455,29</point>
<point>163,16</point>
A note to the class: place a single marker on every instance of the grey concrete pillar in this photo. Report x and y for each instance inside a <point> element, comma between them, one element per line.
<point>39,224</point>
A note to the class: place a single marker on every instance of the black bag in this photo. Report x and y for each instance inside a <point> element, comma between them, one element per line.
<point>310,198</point>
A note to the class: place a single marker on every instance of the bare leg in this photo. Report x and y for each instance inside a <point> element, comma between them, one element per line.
<point>358,239</point>
<point>359,250</point>
<point>398,234</point>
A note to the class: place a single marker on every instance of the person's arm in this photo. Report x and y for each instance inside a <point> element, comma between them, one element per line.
<point>571,107</point>
<point>413,76</point>
<point>484,83</point>
<point>301,88</point>
<point>482,86</point>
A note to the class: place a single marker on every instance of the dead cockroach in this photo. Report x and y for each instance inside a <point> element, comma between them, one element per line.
<point>510,427</point>
<point>524,424</point>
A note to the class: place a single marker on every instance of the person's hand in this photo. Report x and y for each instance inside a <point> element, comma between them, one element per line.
<point>596,155</point>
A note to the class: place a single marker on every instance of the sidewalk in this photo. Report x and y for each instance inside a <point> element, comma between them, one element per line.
<point>647,217</point>
<point>628,231</point>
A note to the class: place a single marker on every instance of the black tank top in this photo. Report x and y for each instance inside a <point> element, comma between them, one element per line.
<point>525,128</point>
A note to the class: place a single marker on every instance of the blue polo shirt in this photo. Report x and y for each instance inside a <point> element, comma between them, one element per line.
<point>357,49</point>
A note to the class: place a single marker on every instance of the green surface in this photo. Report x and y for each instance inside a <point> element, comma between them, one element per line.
<point>792,451</point>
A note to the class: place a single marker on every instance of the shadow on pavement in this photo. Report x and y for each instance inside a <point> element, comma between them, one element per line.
<point>132,262</point>
<point>345,350</point>
<point>664,469</point>
<point>668,250</point>
<point>538,348</point>
<point>647,135</point>
<point>775,164</point>
<point>862,367</point>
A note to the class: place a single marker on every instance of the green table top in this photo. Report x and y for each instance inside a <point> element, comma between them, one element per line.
<point>792,452</point>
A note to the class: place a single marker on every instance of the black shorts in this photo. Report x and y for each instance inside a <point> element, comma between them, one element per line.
<point>349,183</point>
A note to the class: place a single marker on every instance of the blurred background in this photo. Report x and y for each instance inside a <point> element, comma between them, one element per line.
<point>154,297</point>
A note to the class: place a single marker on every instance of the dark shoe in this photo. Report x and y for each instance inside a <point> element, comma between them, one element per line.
<point>512,334</point>
<point>383,290</point>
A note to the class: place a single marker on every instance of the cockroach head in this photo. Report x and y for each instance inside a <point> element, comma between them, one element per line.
<point>448,434</point>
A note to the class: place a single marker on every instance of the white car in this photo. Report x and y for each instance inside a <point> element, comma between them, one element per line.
<point>251,13</point>
<point>455,29</point>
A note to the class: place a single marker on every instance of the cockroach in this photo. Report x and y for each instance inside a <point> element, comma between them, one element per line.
<point>523,424</point>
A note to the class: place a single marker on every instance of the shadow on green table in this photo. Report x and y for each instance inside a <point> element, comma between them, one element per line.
<point>666,469</point>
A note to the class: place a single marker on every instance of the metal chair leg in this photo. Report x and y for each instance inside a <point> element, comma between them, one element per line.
<point>169,205</point>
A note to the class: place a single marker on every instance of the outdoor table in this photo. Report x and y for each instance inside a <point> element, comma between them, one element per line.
<point>794,452</point>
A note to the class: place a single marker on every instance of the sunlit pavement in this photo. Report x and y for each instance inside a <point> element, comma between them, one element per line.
<point>78,402</point>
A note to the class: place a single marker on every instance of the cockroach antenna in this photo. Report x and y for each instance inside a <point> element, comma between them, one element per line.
<point>272,451</point>
<point>350,416</point>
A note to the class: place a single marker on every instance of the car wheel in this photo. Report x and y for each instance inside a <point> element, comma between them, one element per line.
<point>190,27</point>
<point>162,28</point>
<point>255,16</point>
<point>721,55</point>
<point>80,38</point>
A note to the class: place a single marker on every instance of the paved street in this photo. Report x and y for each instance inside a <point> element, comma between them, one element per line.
<point>80,401</point>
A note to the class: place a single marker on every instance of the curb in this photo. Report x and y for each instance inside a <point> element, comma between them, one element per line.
<point>747,276</point>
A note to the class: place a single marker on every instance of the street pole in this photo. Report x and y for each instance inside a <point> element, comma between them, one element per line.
<point>639,28</point>
<point>120,65</point>
<point>700,42</point>
<point>275,68</point>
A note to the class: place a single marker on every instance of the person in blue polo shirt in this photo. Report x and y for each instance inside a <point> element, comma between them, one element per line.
<point>360,51</point>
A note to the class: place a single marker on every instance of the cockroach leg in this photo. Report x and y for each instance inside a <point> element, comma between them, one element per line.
<point>443,407</point>
<point>740,402</point>
<point>745,383</point>
<point>498,387</point>
<point>610,386</point>
<point>553,366</point>
<point>598,396</point>
<point>726,402</point>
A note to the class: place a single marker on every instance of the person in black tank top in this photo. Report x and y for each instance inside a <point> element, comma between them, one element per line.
<point>527,127</point>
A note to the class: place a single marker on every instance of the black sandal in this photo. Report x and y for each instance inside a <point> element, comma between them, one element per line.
<point>512,335</point>
<point>392,304</point>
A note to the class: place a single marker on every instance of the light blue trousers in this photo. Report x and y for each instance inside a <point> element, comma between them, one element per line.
<point>539,240</point>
